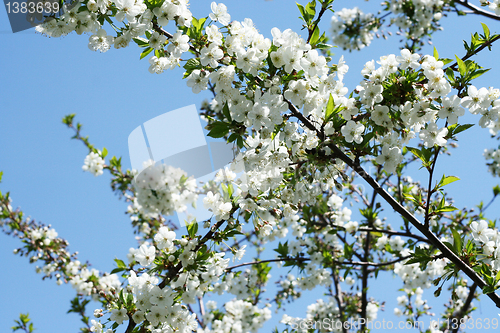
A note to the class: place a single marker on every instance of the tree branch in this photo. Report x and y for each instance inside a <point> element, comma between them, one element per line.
<point>394,233</point>
<point>338,153</point>
<point>339,298</point>
<point>478,10</point>
<point>463,310</point>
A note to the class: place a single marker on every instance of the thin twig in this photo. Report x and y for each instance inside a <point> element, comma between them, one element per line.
<point>338,153</point>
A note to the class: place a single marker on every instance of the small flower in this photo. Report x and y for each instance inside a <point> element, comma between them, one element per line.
<point>433,136</point>
<point>481,232</point>
<point>407,59</point>
<point>118,315</point>
<point>352,131</point>
<point>219,13</point>
<point>238,254</point>
<point>145,255</point>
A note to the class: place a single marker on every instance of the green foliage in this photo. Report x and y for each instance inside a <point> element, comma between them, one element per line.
<point>421,257</point>
<point>496,189</point>
<point>424,154</point>
<point>196,27</point>
<point>192,229</point>
<point>445,180</point>
<point>120,266</point>
<point>23,324</point>
<point>68,120</point>
<point>218,129</point>
<point>78,305</point>
<point>455,129</point>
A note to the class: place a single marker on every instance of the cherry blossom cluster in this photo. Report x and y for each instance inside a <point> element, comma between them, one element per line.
<point>493,5</point>
<point>494,165</point>
<point>419,18</point>
<point>407,305</point>
<point>240,316</point>
<point>94,163</point>
<point>326,317</point>
<point>162,189</point>
<point>156,305</point>
<point>352,29</point>
<point>286,106</point>
<point>420,116</point>
<point>43,245</point>
<point>413,277</point>
<point>88,16</point>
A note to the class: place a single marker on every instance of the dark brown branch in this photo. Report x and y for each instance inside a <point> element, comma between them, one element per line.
<point>478,10</point>
<point>463,310</point>
<point>336,262</point>
<point>479,49</point>
<point>172,273</point>
<point>167,34</point>
<point>338,153</point>
<point>429,188</point>
<point>311,30</point>
<point>339,298</point>
<point>394,233</point>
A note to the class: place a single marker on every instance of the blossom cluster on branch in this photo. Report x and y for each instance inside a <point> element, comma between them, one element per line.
<point>304,140</point>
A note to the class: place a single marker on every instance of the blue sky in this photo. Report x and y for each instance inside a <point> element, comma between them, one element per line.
<point>44,79</point>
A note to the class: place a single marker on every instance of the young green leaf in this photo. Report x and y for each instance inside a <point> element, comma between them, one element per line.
<point>192,229</point>
<point>461,66</point>
<point>457,240</point>
<point>218,129</point>
<point>486,31</point>
<point>146,52</point>
<point>445,180</point>
<point>496,189</point>
<point>329,108</point>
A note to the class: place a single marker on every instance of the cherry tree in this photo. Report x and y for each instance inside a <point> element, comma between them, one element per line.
<point>289,201</point>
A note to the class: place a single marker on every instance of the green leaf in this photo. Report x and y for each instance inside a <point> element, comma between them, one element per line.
<point>117,270</point>
<point>496,189</point>
<point>68,120</point>
<point>282,249</point>
<point>146,52</point>
<point>226,112</point>
<point>192,229</point>
<point>461,128</point>
<point>301,9</point>
<point>195,23</point>
<point>488,290</point>
<point>201,23</point>
<point>311,8</point>
<point>477,73</point>
<point>486,30</point>
<point>192,63</point>
<point>423,154</point>
<point>218,129</point>
<point>120,263</point>
<point>461,66</point>
<point>323,46</point>
<point>446,180</point>
<point>451,247</point>
<point>457,240</point>
<point>315,36</point>
<point>436,54</point>
<point>142,42</point>
<point>445,209</point>
<point>451,76</point>
<point>104,152</point>
<point>329,108</point>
